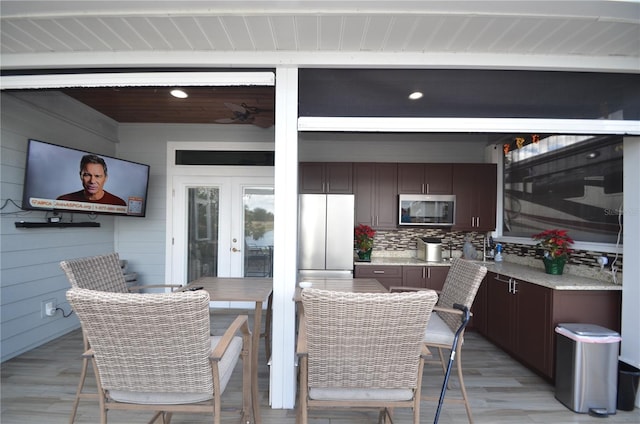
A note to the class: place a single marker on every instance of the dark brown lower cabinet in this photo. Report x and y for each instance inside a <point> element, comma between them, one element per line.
<point>532,334</point>
<point>428,277</point>
<point>520,317</point>
<point>387,275</point>
<point>478,320</point>
<point>500,311</point>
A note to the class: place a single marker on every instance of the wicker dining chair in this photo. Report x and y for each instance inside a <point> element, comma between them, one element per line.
<point>460,286</point>
<point>154,352</point>
<point>104,273</point>
<point>362,350</point>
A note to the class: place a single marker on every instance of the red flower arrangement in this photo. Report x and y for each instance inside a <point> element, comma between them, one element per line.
<point>556,243</point>
<point>364,237</point>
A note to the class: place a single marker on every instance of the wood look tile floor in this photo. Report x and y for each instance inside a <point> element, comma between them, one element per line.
<point>38,387</point>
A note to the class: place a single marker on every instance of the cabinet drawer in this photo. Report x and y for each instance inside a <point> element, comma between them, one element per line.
<point>371,271</point>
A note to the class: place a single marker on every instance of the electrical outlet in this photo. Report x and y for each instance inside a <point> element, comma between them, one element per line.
<point>48,308</point>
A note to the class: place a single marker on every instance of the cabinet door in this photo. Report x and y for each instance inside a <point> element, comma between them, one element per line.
<point>311,178</point>
<point>485,190</point>
<point>338,178</point>
<point>464,189</point>
<point>500,305</point>
<point>386,195</point>
<point>532,326</point>
<point>436,276</point>
<point>475,188</point>
<point>438,178</point>
<point>411,178</point>
<point>363,188</point>
<point>387,275</point>
<point>413,276</point>
<point>320,178</point>
<point>479,309</point>
<point>421,178</point>
<point>375,187</point>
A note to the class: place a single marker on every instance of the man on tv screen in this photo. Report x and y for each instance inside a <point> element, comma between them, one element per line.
<point>93,174</point>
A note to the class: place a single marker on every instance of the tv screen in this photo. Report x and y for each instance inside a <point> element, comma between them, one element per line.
<point>59,178</point>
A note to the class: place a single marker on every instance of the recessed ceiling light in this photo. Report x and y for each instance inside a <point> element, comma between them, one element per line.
<point>179,94</point>
<point>415,95</point>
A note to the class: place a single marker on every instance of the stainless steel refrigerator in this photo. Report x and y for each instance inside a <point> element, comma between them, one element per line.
<point>325,235</point>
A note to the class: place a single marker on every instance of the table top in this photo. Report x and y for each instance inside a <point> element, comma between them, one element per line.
<point>242,289</point>
<point>351,285</point>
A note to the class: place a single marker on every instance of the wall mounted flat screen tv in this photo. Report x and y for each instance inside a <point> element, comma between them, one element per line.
<point>59,178</point>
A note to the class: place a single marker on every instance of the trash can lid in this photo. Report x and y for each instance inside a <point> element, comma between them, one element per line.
<point>589,330</point>
<point>433,240</point>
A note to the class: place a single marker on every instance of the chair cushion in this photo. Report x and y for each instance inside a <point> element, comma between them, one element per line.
<point>227,364</point>
<point>438,332</point>
<point>360,394</point>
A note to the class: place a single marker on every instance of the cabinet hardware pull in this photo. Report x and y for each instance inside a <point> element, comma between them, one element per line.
<point>477,221</point>
<point>378,272</point>
<point>510,283</point>
<point>429,273</point>
<point>427,191</point>
<point>515,289</point>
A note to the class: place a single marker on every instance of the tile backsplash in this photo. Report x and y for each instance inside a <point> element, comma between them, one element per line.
<point>402,243</point>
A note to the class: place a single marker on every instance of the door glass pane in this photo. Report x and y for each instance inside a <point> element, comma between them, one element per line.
<point>258,231</point>
<point>203,209</point>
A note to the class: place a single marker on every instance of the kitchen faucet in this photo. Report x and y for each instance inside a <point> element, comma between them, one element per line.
<point>487,242</point>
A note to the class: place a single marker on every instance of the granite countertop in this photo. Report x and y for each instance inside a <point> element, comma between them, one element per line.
<point>531,274</point>
<point>399,261</point>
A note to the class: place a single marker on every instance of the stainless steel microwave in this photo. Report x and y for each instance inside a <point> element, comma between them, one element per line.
<point>438,210</point>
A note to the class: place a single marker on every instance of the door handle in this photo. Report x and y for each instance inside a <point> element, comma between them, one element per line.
<point>233,249</point>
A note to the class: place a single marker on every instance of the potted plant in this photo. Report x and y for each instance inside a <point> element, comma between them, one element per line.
<point>364,241</point>
<point>557,247</point>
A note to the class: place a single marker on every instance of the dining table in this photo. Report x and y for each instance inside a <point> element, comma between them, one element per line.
<point>244,289</point>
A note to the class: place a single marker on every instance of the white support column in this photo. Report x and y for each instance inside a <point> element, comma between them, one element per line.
<point>282,372</point>
<point>630,347</point>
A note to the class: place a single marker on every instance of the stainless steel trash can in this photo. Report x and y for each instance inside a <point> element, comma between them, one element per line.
<point>586,368</point>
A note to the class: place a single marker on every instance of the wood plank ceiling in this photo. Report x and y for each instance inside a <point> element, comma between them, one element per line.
<point>204,105</point>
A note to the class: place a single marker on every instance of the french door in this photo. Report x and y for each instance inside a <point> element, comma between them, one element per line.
<point>223,226</point>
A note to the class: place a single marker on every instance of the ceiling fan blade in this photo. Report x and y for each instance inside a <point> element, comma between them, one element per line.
<point>236,108</point>
<point>262,121</point>
<point>225,121</point>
